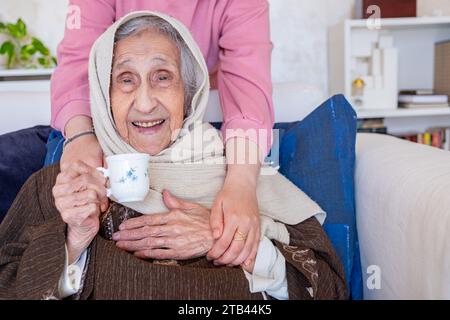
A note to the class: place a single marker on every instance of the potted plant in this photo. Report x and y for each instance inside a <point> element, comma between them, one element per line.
<point>21,50</point>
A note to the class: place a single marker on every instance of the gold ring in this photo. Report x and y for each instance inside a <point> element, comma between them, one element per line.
<point>240,236</point>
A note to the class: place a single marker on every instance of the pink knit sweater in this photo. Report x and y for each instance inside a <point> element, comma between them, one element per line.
<point>233,35</point>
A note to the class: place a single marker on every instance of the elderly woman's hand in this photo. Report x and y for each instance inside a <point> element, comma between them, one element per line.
<point>183,233</point>
<point>85,148</point>
<point>80,196</point>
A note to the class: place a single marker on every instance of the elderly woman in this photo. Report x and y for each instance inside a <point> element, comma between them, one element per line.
<point>149,88</point>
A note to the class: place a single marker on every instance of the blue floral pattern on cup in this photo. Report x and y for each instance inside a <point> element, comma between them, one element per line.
<point>130,176</point>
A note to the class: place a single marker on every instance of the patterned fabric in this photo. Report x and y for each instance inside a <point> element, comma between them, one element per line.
<point>113,217</point>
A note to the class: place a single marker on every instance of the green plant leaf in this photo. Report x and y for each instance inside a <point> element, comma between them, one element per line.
<point>17,30</point>
<point>44,62</point>
<point>13,30</point>
<point>8,48</point>
<point>24,57</point>
<point>21,28</point>
<point>28,49</point>
<point>55,61</point>
<point>20,51</point>
<point>40,47</point>
<point>11,60</point>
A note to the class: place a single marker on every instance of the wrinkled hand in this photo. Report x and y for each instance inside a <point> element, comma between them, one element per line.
<point>86,149</point>
<point>79,193</point>
<point>235,209</point>
<point>182,233</point>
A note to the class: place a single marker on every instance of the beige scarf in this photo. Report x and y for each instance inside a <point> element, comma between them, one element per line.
<point>193,166</point>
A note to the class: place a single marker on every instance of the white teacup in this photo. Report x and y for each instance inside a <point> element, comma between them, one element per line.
<point>128,176</point>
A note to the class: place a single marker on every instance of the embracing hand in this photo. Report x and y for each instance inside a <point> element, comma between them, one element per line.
<point>79,194</point>
<point>85,148</point>
<point>182,233</point>
<point>235,222</point>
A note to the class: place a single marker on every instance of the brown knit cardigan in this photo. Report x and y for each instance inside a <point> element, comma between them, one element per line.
<point>32,255</point>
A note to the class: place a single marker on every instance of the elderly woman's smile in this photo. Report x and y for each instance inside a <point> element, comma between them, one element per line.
<point>147,90</point>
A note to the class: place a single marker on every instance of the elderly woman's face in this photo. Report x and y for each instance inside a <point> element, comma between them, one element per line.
<point>147,91</point>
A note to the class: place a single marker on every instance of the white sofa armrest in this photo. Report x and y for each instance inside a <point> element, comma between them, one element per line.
<point>403,217</point>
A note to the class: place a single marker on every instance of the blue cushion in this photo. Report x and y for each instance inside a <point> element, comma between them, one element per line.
<point>318,155</point>
<point>22,154</point>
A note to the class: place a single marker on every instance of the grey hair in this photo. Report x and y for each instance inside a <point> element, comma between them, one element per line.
<point>188,62</point>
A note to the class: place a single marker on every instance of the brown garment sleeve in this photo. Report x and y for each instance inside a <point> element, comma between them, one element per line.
<point>313,269</point>
<point>32,250</point>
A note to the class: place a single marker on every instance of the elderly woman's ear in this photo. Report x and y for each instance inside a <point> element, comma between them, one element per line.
<point>147,90</point>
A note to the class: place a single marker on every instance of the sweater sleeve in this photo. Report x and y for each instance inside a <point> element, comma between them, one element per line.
<point>313,269</point>
<point>69,83</point>
<point>244,78</point>
<point>32,249</point>
<point>269,272</point>
<point>70,280</point>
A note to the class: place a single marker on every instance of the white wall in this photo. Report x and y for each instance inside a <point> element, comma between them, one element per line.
<point>299,31</point>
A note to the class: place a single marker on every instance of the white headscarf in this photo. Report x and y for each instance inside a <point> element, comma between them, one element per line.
<point>193,166</point>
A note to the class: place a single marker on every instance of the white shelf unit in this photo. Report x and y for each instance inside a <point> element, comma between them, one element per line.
<point>415,40</point>
<point>397,113</point>
<point>25,72</point>
<point>24,98</point>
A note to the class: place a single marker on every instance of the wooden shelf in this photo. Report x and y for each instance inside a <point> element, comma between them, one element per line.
<point>397,113</point>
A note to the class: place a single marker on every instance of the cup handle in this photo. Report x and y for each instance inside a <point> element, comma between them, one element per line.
<point>105,173</point>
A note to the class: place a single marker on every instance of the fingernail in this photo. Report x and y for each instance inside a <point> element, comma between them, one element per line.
<point>116,236</point>
<point>121,227</point>
<point>208,258</point>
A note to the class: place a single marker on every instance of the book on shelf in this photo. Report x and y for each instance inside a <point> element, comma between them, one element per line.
<point>373,130</point>
<point>442,67</point>
<point>438,137</point>
<point>417,92</point>
<point>422,106</point>
<point>387,8</point>
<point>372,126</point>
<point>423,98</point>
